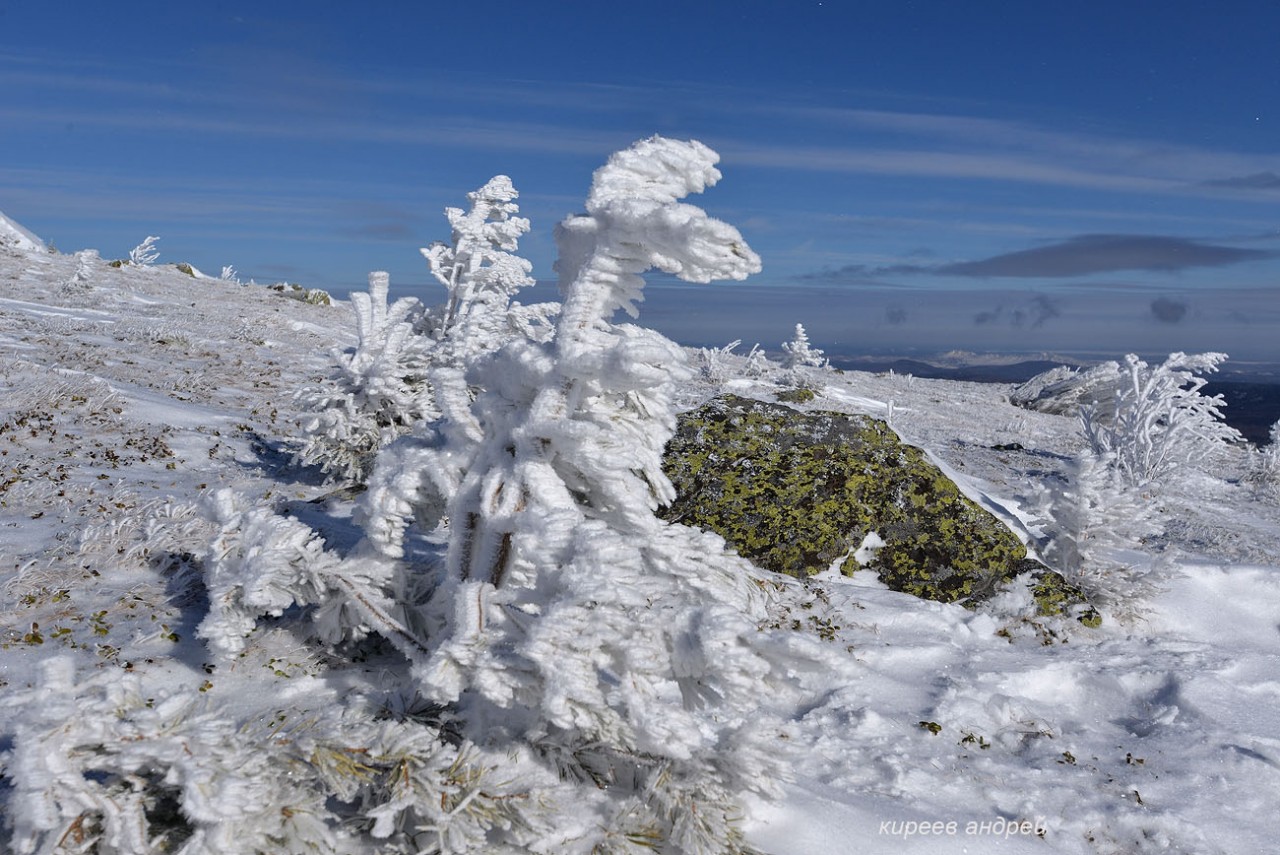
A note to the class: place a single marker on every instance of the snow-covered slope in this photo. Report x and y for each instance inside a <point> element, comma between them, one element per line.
<point>130,393</point>
<point>15,236</point>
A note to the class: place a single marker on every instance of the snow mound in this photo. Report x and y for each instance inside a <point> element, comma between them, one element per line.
<point>14,235</point>
<point>1063,390</point>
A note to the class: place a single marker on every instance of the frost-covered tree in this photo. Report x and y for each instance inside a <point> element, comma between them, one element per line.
<point>799,353</point>
<point>1160,420</point>
<point>378,390</point>
<point>571,623</point>
<point>145,253</point>
<point>480,270</point>
<point>799,357</point>
<point>481,273</point>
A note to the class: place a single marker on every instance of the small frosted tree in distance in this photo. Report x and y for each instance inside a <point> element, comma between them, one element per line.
<point>145,253</point>
<point>799,356</point>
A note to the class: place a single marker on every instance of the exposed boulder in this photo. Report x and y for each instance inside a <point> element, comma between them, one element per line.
<point>799,493</point>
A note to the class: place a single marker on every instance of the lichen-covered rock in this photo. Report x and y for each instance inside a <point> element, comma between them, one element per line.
<point>798,493</point>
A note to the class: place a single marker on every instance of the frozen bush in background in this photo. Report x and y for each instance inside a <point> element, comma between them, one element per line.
<point>718,364</point>
<point>801,354</point>
<point>1160,420</point>
<point>145,253</point>
<point>82,279</point>
<point>1268,470</point>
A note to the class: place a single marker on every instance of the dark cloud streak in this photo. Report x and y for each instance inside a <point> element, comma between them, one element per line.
<point>1168,311</point>
<point>1088,254</point>
<point>1257,181</point>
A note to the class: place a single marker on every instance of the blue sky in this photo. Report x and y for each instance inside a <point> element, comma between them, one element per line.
<point>1086,177</point>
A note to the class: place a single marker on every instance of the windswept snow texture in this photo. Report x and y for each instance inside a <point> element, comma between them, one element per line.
<point>126,394</point>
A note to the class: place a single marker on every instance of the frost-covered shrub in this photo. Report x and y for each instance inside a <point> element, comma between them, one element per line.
<point>99,763</point>
<point>378,390</point>
<point>568,616</point>
<point>1160,420</point>
<point>408,367</point>
<point>82,280</point>
<point>571,622</point>
<point>1271,455</point>
<point>567,628</point>
<point>261,563</point>
<point>713,362</point>
<point>757,364</point>
<point>481,272</point>
<point>719,364</point>
<point>145,253</point>
<point>801,354</point>
<point>1096,522</point>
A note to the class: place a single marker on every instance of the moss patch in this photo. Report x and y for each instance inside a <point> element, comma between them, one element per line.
<point>799,395</point>
<point>800,492</point>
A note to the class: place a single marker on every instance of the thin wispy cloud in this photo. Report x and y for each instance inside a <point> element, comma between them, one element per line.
<point>964,145</point>
<point>938,164</point>
<point>446,132</point>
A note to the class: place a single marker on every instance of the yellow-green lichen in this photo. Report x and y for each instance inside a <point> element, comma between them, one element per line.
<point>799,492</point>
<point>799,395</point>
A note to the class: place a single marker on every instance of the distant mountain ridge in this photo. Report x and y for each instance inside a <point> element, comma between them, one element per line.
<point>1253,401</point>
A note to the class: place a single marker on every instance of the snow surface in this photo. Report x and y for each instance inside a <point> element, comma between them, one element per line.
<point>14,235</point>
<point>127,396</point>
